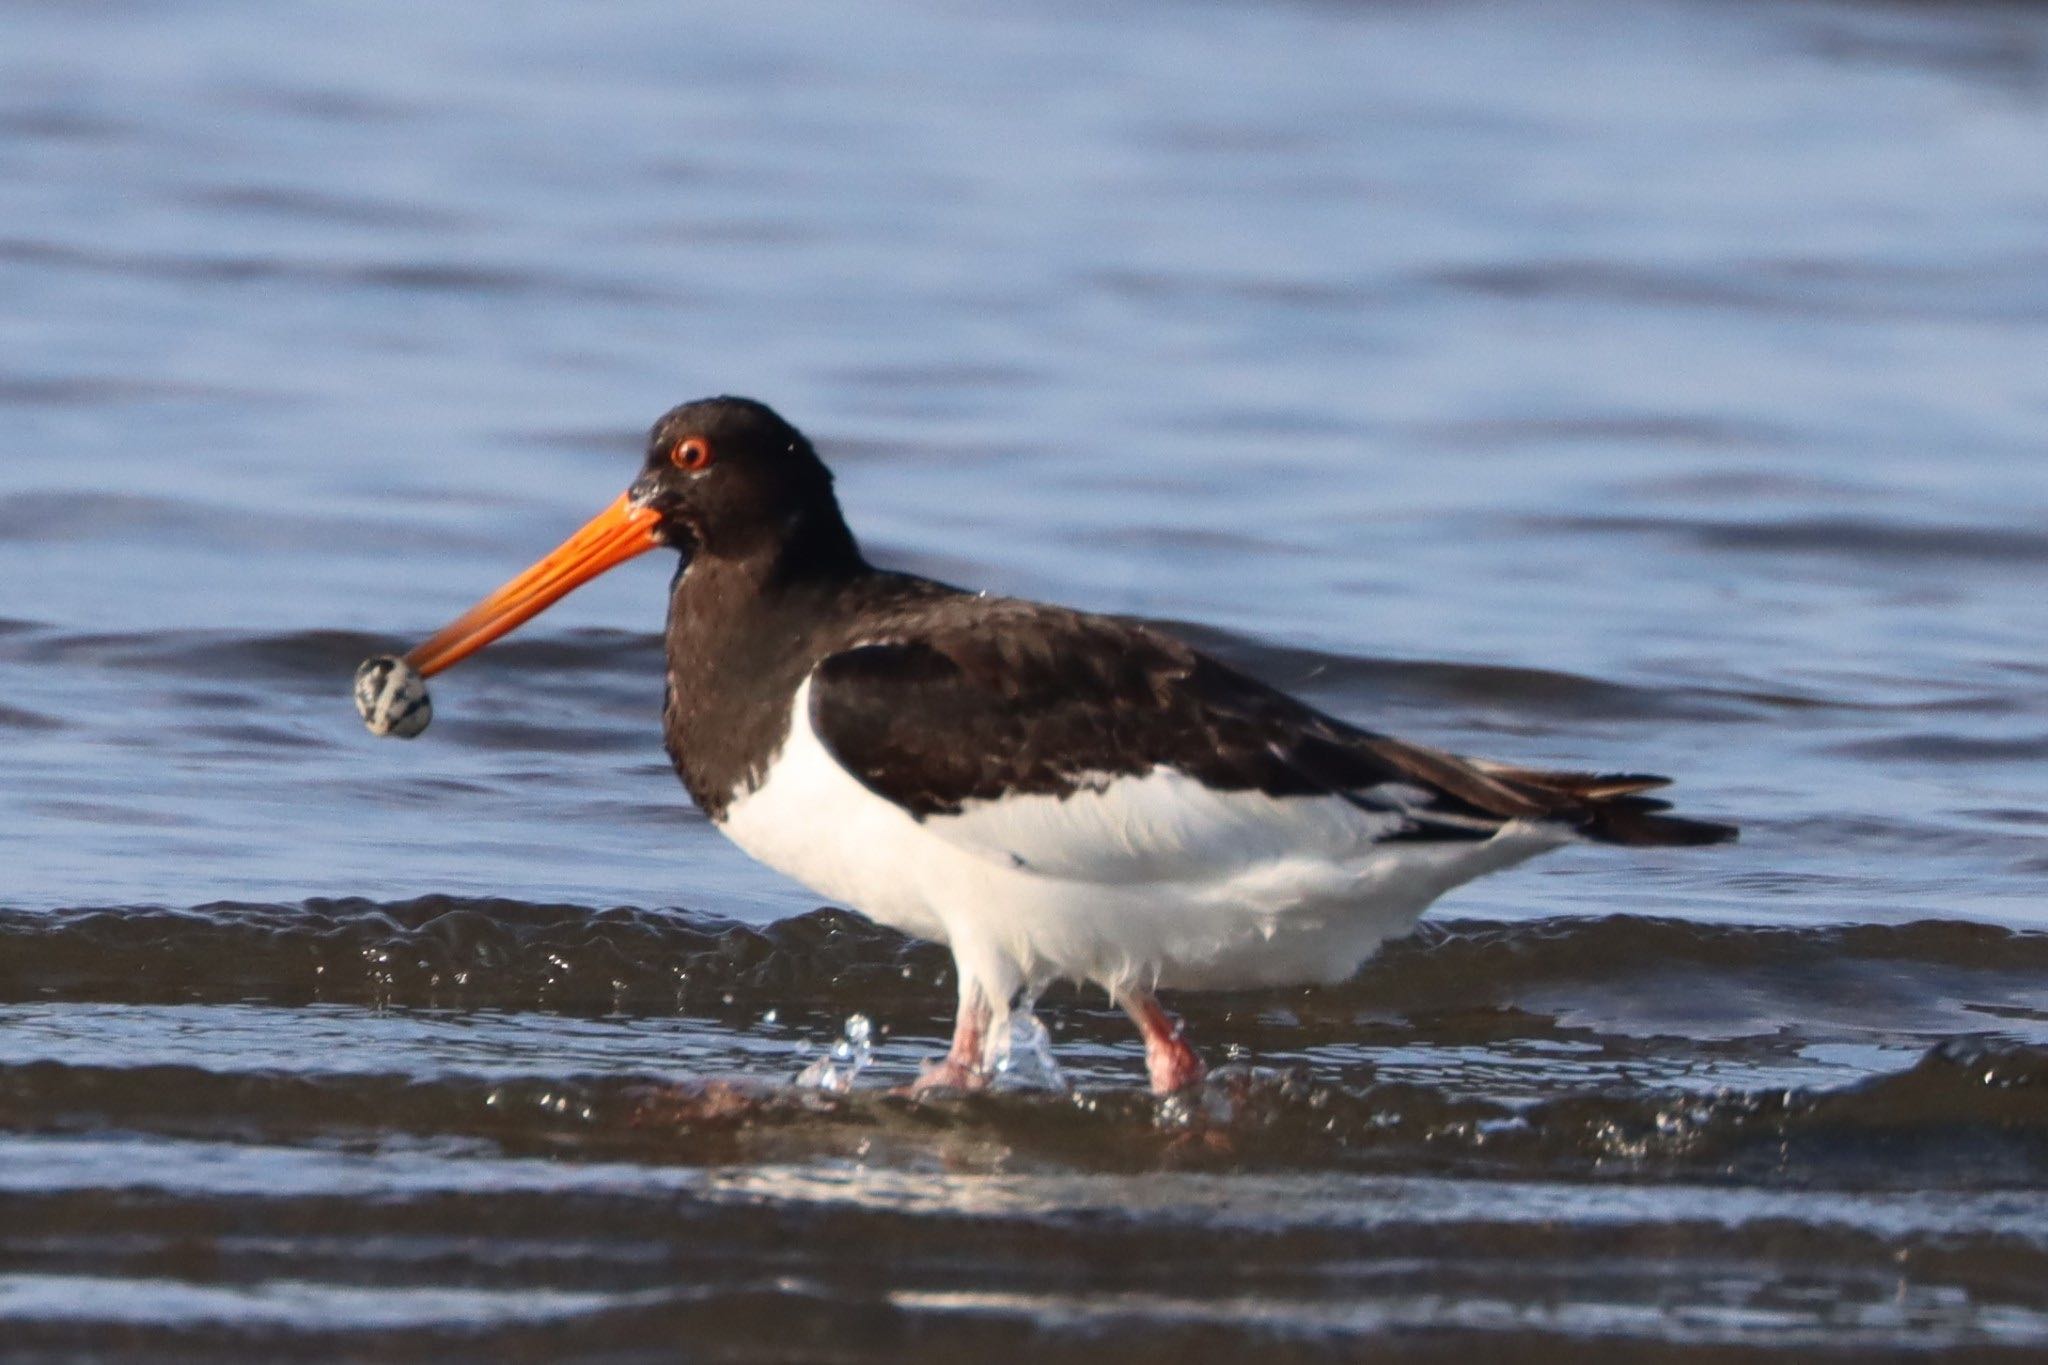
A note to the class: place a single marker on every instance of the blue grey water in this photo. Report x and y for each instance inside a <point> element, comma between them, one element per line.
<point>1650,386</point>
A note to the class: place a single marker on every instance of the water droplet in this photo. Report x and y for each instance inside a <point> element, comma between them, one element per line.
<point>852,1053</point>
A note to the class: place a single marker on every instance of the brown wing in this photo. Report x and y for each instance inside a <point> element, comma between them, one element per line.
<point>1001,697</point>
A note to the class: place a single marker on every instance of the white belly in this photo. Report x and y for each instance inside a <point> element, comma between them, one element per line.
<point>1151,881</point>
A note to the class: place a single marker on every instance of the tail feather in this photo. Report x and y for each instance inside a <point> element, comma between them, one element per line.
<point>1638,822</point>
<point>1608,808</point>
<point>1585,786</point>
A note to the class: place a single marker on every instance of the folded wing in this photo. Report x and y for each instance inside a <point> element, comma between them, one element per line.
<point>1101,748</point>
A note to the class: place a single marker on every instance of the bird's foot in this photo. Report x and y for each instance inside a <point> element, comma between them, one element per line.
<point>1172,1065</point>
<point>948,1073</point>
<point>960,1068</point>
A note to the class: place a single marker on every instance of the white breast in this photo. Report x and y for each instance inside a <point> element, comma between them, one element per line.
<point>812,820</point>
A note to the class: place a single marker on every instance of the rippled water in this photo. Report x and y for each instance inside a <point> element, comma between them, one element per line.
<point>1649,386</point>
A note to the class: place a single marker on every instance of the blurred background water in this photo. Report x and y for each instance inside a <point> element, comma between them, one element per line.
<point>1643,386</point>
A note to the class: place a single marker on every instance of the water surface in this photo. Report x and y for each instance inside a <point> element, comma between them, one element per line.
<point>1647,386</point>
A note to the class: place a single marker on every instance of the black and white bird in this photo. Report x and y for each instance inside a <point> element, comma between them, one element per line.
<point>1050,793</point>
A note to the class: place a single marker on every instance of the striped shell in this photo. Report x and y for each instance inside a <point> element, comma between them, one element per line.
<point>392,697</point>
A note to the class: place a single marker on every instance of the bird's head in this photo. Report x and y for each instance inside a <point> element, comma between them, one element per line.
<point>725,479</point>
<point>728,477</point>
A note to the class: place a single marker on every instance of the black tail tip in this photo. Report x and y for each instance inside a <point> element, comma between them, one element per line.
<point>1637,828</point>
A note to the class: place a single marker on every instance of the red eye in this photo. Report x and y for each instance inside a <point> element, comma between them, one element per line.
<point>693,454</point>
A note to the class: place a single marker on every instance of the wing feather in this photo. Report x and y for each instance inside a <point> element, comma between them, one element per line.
<point>1012,699</point>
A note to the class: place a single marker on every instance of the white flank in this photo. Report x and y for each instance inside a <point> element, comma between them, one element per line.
<point>1149,881</point>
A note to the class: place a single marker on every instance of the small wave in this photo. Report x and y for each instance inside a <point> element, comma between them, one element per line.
<point>449,951</point>
<point>321,656</point>
<point>14,718</point>
<point>1547,691</point>
<point>1663,430</point>
<point>454,277</point>
<point>1845,537</point>
<point>1967,1115</point>
<point>322,207</point>
<point>48,516</point>
<point>457,951</point>
<point>1446,956</point>
<point>93,391</point>
<point>318,656</point>
<point>1946,748</point>
<point>1784,286</point>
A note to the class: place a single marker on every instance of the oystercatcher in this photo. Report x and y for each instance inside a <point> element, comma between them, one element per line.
<point>1050,793</point>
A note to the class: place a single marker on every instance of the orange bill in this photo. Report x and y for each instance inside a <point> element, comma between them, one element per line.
<point>612,537</point>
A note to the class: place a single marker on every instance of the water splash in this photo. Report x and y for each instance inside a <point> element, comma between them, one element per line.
<point>1239,1093</point>
<point>1025,1061</point>
<point>853,1053</point>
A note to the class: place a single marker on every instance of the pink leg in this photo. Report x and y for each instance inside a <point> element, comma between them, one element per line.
<point>961,1068</point>
<point>1172,1064</point>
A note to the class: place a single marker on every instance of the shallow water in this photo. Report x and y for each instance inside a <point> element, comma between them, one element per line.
<point>1650,386</point>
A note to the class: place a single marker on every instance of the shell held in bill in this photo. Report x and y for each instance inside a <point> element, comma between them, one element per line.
<point>391,697</point>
